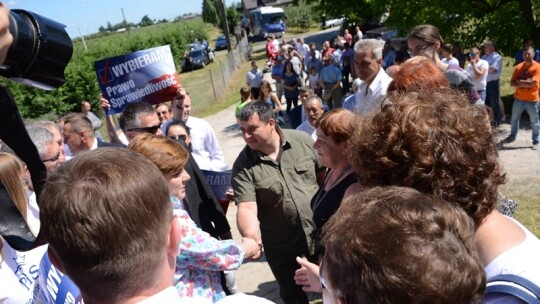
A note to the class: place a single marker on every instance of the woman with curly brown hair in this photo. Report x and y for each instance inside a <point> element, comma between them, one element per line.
<point>437,143</point>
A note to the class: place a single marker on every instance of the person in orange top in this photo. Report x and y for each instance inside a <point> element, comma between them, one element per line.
<point>526,80</point>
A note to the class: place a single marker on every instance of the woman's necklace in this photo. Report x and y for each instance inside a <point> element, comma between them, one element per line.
<point>319,198</point>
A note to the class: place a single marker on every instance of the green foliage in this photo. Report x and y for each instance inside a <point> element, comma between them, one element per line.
<point>233,17</point>
<point>146,21</point>
<point>464,22</point>
<point>356,12</point>
<point>469,23</point>
<point>81,78</point>
<point>210,13</point>
<point>300,15</point>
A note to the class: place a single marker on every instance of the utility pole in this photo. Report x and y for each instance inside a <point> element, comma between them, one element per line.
<point>125,22</point>
<point>225,24</point>
<point>82,37</point>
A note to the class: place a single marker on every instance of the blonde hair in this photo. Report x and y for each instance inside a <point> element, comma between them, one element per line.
<point>11,170</point>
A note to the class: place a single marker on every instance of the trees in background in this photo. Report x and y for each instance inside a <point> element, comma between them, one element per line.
<point>300,15</point>
<point>210,13</point>
<point>466,22</point>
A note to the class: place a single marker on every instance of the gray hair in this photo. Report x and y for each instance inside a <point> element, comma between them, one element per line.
<point>315,98</point>
<point>41,138</point>
<point>47,124</point>
<point>374,45</point>
<point>130,117</point>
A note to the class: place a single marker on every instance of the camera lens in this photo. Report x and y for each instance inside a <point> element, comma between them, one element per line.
<point>40,51</point>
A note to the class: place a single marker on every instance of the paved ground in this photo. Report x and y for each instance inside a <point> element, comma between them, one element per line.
<point>253,277</point>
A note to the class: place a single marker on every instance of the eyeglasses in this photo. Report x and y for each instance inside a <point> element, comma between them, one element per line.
<point>162,113</point>
<point>181,136</point>
<point>151,130</point>
<point>53,159</point>
<point>418,49</point>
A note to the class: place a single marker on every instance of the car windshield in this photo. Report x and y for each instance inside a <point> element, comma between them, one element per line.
<point>275,18</point>
<point>196,53</point>
<point>221,38</point>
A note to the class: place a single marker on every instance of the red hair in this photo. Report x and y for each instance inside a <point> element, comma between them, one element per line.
<point>417,74</point>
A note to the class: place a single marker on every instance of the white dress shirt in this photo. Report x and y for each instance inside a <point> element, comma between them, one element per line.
<point>204,144</point>
<point>368,98</point>
<point>308,128</point>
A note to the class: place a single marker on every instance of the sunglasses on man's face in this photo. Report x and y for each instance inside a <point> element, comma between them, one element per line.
<point>177,137</point>
<point>151,130</point>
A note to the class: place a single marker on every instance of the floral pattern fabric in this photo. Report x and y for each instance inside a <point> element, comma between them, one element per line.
<point>201,259</point>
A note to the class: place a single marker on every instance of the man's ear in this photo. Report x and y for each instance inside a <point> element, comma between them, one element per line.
<point>272,122</point>
<point>54,259</point>
<point>173,243</point>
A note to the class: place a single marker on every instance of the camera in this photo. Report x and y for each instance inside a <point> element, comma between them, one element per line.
<point>470,56</point>
<point>40,51</point>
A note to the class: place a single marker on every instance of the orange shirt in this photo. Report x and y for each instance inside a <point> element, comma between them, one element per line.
<point>527,72</point>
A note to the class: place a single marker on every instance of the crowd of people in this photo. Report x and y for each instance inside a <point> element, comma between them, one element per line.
<point>389,195</point>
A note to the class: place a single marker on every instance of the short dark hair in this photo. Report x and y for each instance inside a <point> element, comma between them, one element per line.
<point>258,107</point>
<point>107,225</point>
<point>492,43</point>
<point>397,245</point>
<point>448,47</point>
<point>305,89</point>
<point>180,123</point>
<point>129,118</point>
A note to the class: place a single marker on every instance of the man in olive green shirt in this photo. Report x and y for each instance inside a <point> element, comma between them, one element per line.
<point>274,179</point>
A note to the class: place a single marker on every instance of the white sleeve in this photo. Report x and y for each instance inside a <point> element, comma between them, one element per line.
<point>217,159</point>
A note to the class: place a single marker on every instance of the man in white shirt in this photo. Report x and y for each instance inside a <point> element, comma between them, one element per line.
<point>375,81</point>
<point>478,71</point>
<point>205,147</point>
<point>314,109</point>
<point>494,60</point>
<point>254,77</point>
<point>302,48</point>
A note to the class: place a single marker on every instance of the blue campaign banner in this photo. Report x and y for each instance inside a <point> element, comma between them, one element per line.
<point>220,182</point>
<point>147,75</point>
<point>56,287</point>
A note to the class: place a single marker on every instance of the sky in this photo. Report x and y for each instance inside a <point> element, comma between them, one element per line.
<point>86,16</point>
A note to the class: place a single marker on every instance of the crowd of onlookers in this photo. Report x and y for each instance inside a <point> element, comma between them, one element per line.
<point>389,195</point>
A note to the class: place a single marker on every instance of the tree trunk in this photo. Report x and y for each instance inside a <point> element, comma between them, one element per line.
<point>527,13</point>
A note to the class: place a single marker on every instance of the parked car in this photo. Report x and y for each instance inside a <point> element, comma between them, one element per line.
<point>197,57</point>
<point>383,33</point>
<point>331,23</point>
<point>221,43</point>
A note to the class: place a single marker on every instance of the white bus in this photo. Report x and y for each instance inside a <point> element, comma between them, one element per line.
<point>267,20</point>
